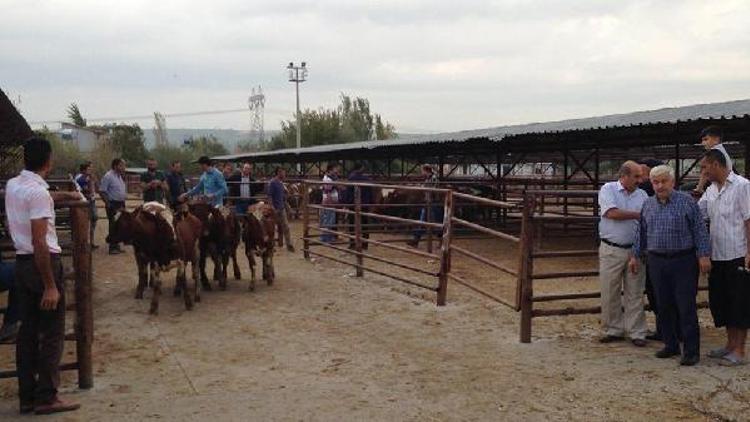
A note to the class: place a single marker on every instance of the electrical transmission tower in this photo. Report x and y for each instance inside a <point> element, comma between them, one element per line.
<point>160,130</point>
<point>257,102</point>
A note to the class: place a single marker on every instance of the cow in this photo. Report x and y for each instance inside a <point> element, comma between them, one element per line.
<point>219,238</point>
<point>156,244</point>
<point>258,236</point>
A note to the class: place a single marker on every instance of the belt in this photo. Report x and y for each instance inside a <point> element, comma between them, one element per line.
<point>672,254</point>
<point>617,245</point>
<point>30,256</point>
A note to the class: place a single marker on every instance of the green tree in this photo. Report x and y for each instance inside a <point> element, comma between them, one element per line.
<point>74,113</point>
<point>66,157</point>
<point>166,154</point>
<point>129,142</point>
<point>384,130</point>
<point>204,145</point>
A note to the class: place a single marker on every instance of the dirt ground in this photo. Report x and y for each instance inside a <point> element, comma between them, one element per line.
<point>321,344</point>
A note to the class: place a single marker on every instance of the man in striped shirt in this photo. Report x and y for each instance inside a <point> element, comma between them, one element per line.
<point>726,205</point>
<point>39,278</point>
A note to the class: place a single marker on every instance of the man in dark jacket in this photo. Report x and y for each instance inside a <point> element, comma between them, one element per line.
<point>243,188</point>
<point>366,196</point>
<point>175,183</point>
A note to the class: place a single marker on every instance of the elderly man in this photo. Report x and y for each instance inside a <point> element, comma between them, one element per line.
<point>620,205</point>
<point>726,205</point>
<point>243,188</point>
<point>211,185</point>
<point>674,237</point>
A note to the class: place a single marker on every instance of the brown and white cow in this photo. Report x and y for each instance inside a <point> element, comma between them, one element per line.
<point>258,236</point>
<point>156,244</point>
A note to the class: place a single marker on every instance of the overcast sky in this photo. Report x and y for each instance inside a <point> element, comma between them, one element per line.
<point>424,65</point>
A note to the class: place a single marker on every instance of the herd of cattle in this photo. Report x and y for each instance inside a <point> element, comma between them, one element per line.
<point>162,241</point>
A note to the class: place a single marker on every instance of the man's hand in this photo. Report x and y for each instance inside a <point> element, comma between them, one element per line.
<point>50,297</point>
<point>182,197</point>
<point>633,265</point>
<point>704,263</point>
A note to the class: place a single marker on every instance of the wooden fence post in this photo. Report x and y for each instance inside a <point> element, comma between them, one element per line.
<point>84,322</point>
<point>445,250</point>
<point>428,218</point>
<point>524,287</point>
<point>358,229</point>
<point>305,221</point>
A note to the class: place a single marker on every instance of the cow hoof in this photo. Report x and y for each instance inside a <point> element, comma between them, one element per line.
<point>223,287</point>
<point>154,311</point>
<point>139,295</point>
<point>197,298</point>
<point>207,287</point>
<point>176,292</point>
<point>237,276</point>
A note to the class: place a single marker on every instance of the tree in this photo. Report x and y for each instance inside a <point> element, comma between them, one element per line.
<point>166,154</point>
<point>65,155</point>
<point>127,141</point>
<point>204,145</point>
<point>74,113</point>
<point>351,121</point>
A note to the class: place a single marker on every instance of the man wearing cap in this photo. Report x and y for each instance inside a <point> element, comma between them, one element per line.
<point>711,138</point>
<point>620,205</point>
<point>211,184</point>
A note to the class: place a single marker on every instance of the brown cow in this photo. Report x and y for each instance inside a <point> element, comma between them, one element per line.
<point>219,239</point>
<point>258,235</point>
<point>187,230</point>
<point>155,246</point>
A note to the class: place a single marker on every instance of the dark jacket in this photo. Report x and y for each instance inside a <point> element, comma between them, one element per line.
<point>234,186</point>
<point>348,194</point>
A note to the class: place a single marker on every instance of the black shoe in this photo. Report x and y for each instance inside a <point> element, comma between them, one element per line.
<point>114,251</point>
<point>667,353</point>
<point>610,339</point>
<point>638,342</point>
<point>689,360</point>
<point>653,336</point>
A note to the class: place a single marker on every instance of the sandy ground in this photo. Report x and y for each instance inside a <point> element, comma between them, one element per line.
<point>321,344</point>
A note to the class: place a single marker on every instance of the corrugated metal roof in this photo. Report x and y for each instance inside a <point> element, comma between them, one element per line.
<point>496,134</point>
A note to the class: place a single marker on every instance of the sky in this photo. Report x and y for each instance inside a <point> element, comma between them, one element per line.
<point>425,66</point>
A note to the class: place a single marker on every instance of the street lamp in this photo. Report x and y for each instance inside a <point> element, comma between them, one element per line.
<point>298,74</point>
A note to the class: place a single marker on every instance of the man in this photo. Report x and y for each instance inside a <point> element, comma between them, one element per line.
<point>436,211</point>
<point>31,223</point>
<point>726,205</point>
<point>646,186</point>
<point>228,170</point>
<point>673,235</point>
<point>9,330</point>
<point>330,199</point>
<point>620,206</point>
<point>87,184</point>
<point>211,185</point>
<point>366,198</point>
<point>242,188</point>
<point>153,183</point>
<point>711,138</point>
<point>277,195</point>
<point>175,184</point>
<point>114,191</point>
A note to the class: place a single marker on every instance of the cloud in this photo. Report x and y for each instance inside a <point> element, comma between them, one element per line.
<point>423,64</point>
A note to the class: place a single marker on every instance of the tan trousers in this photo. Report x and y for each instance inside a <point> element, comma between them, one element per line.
<point>621,290</point>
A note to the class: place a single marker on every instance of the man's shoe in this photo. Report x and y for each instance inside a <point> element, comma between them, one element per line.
<point>290,248</point>
<point>56,406</point>
<point>689,360</point>
<point>666,353</point>
<point>610,339</point>
<point>26,408</point>
<point>638,342</point>
<point>115,251</point>
<point>9,332</point>
<point>94,246</point>
<point>718,353</point>
<point>653,336</point>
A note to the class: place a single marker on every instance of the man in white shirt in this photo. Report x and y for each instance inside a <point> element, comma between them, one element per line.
<point>330,199</point>
<point>726,205</point>
<point>620,204</point>
<point>31,223</point>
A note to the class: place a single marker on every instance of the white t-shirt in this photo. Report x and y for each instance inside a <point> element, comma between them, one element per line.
<point>330,193</point>
<point>27,198</point>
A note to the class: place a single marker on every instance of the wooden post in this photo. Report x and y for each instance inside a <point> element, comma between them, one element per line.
<point>524,287</point>
<point>358,229</point>
<point>428,218</point>
<point>84,321</point>
<point>445,250</point>
<point>305,221</point>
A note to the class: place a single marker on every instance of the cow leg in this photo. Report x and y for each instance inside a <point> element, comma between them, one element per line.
<point>224,264</point>
<point>202,264</point>
<point>186,294</point>
<point>156,282</point>
<point>249,252</point>
<point>236,267</point>
<point>142,276</point>
<point>179,284</point>
<point>268,266</point>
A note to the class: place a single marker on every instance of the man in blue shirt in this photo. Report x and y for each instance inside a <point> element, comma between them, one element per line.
<point>211,184</point>
<point>87,184</point>
<point>620,205</point>
<point>673,235</point>
<point>114,190</point>
<point>277,194</point>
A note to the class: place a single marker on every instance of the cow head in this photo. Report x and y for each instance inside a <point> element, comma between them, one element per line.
<point>123,228</point>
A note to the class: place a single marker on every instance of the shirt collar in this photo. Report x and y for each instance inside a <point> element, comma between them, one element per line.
<point>35,177</point>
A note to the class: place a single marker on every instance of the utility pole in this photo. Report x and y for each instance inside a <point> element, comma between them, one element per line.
<point>298,74</point>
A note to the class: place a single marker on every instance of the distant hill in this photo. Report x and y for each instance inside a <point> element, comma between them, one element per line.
<point>229,137</point>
